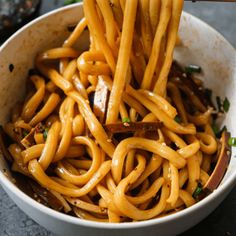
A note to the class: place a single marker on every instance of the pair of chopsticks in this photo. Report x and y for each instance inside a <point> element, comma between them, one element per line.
<point>210,0</point>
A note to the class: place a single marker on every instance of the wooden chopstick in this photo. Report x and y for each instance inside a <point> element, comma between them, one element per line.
<point>210,1</point>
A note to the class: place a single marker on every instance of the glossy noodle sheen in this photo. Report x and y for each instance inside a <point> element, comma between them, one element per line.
<point>68,134</point>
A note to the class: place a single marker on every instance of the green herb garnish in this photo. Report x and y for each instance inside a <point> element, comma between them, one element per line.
<point>45,133</point>
<point>215,129</point>
<point>25,133</point>
<point>232,142</point>
<point>197,191</point>
<point>68,2</point>
<point>226,105</point>
<point>178,119</point>
<point>193,69</point>
<point>126,120</point>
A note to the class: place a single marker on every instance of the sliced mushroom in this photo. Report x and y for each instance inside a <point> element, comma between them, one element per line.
<point>28,140</point>
<point>188,80</point>
<point>47,197</point>
<point>101,96</point>
<point>37,192</point>
<point>223,159</point>
<point>132,127</point>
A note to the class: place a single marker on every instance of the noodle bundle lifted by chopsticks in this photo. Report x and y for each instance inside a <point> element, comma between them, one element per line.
<point>114,132</point>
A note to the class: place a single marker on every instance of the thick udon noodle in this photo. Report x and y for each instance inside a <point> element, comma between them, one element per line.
<point>141,177</point>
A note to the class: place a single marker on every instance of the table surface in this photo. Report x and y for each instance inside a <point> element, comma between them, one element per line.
<point>222,16</point>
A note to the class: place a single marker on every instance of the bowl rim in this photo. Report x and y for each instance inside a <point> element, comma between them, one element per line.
<point>7,184</point>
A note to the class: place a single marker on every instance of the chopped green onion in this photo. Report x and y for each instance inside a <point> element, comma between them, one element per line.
<point>215,129</point>
<point>126,120</point>
<point>197,191</point>
<point>232,142</point>
<point>45,133</point>
<point>25,133</point>
<point>67,2</point>
<point>193,69</point>
<point>178,119</point>
<point>226,105</point>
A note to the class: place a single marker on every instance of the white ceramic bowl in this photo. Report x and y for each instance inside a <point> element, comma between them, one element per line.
<point>202,45</point>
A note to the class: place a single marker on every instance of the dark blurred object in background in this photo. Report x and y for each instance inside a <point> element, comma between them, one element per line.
<point>15,13</point>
